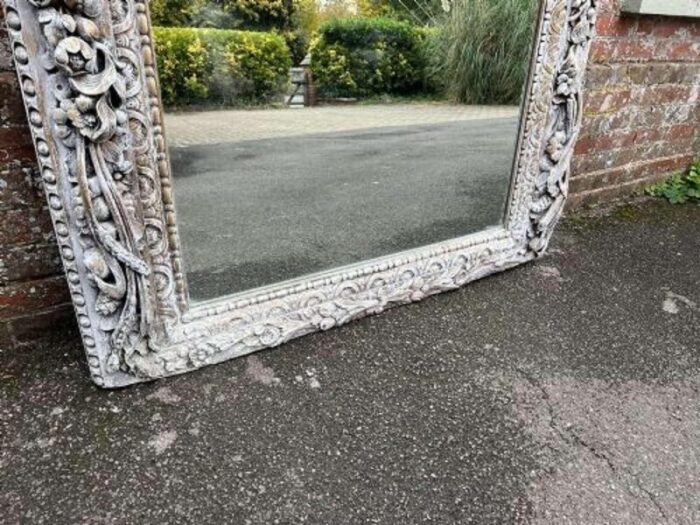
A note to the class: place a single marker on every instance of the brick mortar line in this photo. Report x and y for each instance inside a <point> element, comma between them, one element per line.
<point>621,87</point>
<point>49,280</point>
<point>627,107</point>
<point>630,108</point>
<point>30,280</point>
<point>616,187</point>
<point>631,166</point>
<point>648,62</point>
<point>647,145</point>
<point>623,131</point>
<point>48,309</point>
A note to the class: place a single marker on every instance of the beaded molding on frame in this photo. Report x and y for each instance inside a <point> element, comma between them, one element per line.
<point>87,72</point>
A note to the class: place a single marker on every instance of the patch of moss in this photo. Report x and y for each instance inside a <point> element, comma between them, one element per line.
<point>581,222</point>
<point>627,212</point>
<point>10,386</point>
<point>105,425</point>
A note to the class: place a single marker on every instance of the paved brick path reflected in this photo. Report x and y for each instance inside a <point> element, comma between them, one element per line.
<point>212,127</point>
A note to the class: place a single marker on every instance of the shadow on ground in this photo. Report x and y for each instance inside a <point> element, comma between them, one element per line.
<point>564,391</point>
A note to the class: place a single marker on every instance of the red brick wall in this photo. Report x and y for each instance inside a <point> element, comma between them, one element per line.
<point>641,111</point>
<point>641,104</point>
<point>33,293</point>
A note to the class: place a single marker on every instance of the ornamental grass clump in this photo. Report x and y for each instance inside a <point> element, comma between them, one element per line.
<point>481,51</point>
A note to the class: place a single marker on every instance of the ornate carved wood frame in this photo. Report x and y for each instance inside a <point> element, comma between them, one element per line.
<point>88,76</point>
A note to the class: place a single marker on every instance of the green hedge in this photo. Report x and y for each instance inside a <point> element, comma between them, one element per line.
<point>216,66</point>
<point>278,16</point>
<point>357,57</point>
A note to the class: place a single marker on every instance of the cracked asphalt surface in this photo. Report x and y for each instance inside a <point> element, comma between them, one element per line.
<point>564,391</point>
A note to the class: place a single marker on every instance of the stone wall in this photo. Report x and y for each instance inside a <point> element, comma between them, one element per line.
<point>33,293</point>
<point>640,124</point>
<point>641,107</point>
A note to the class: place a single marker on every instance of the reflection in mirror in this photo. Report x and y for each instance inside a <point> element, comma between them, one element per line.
<point>309,135</point>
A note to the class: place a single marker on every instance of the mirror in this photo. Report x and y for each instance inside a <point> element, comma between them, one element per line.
<point>321,161</point>
<point>371,134</point>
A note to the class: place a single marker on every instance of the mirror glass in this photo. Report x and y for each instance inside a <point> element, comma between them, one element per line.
<point>310,135</point>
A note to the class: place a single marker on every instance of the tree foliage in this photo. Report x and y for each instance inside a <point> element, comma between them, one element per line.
<point>421,12</point>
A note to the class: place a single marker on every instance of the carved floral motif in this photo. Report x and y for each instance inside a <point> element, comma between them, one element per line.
<point>90,119</point>
<point>552,185</point>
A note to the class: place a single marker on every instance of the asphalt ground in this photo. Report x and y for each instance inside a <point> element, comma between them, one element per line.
<point>563,391</point>
<point>257,212</point>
